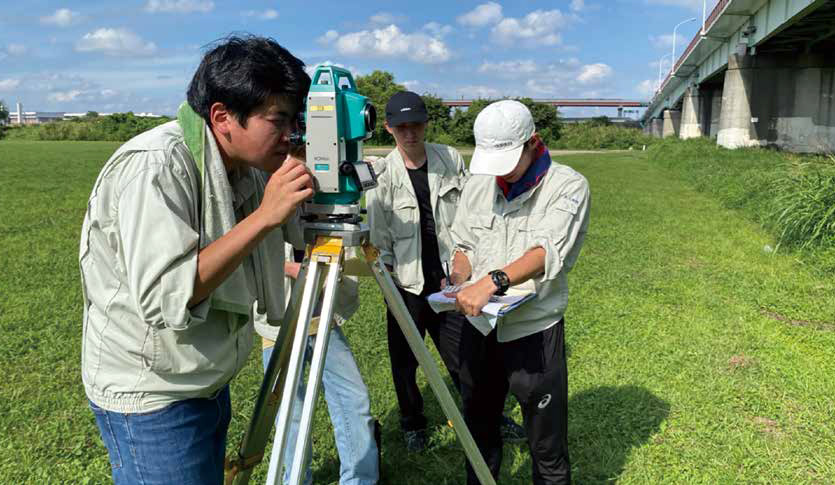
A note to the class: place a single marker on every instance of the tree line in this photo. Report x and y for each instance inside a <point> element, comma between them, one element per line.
<point>447,126</point>
<point>450,127</point>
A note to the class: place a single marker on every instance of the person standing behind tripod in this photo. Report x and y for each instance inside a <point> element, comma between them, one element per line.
<point>410,213</point>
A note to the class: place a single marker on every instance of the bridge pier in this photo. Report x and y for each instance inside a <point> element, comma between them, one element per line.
<point>711,109</point>
<point>736,127</point>
<point>796,102</point>
<point>657,127</point>
<point>691,112</point>
<point>786,101</point>
<point>672,123</point>
<point>715,113</point>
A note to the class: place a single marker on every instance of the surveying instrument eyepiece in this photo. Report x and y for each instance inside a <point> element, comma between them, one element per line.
<point>332,127</point>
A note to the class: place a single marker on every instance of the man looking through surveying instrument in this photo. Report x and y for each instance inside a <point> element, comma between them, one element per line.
<point>522,219</point>
<point>181,237</point>
<point>410,212</point>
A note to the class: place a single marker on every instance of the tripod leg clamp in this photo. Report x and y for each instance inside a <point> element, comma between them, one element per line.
<point>233,466</point>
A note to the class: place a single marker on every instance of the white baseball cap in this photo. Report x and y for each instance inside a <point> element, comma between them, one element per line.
<point>501,130</point>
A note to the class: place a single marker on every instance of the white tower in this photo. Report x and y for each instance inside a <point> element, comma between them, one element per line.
<point>19,113</point>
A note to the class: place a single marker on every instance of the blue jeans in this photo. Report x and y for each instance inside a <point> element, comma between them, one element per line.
<point>350,413</point>
<point>182,443</point>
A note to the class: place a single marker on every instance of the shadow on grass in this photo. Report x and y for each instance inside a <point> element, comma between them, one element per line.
<point>442,462</point>
<point>605,424</point>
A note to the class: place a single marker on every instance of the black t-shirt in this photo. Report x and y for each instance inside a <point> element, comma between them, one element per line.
<point>430,256</point>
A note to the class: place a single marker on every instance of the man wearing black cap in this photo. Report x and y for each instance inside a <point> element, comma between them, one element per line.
<point>410,213</point>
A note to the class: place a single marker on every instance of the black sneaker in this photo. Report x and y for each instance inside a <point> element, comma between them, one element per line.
<point>415,440</point>
<point>511,431</point>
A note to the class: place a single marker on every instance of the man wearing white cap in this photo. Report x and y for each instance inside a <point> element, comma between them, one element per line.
<point>522,220</point>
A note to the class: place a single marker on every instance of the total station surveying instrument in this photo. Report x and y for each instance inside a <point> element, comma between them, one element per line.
<point>336,121</point>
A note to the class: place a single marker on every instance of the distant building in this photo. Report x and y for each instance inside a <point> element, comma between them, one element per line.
<point>613,120</point>
<point>21,117</point>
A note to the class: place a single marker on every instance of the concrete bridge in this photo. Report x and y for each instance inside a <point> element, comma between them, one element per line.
<point>761,72</point>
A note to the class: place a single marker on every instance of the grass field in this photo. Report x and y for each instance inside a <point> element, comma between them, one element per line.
<point>694,355</point>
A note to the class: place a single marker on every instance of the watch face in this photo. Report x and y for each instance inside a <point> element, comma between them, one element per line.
<point>501,280</point>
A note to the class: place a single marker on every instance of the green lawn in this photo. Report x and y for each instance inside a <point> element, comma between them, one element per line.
<point>694,355</point>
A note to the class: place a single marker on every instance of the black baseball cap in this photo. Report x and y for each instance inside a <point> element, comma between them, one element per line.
<point>405,107</point>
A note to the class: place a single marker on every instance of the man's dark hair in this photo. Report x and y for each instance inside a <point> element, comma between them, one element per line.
<point>242,73</point>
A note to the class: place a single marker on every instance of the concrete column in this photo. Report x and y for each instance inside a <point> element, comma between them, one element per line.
<point>803,119</point>
<point>691,126</point>
<point>19,114</point>
<point>657,127</point>
<point>715,112</point>
<point>735,122</point>
<point>672,123</point>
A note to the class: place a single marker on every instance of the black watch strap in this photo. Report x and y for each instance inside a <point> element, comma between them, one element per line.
<point>501,280</point>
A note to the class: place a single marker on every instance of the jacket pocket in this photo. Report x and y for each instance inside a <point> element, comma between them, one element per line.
<point>482,229</point>
<point>194,350</point>
<point>405,234</point>
<point>448,197</point>
<point>535,230</point>
<point>404,218</point>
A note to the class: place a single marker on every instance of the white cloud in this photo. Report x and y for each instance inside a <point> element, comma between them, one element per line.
<point>564,78</point>
<point>179,6</point>
<point>436,29</point>
<point>115,42</point>
<point>82,95</point>
<point>268,14</point>
<point>12,50</point>
<point>16,49</point>
<point>510,68</point>
<point>594,73</point>
<point>328,37</point>
<point>392,42</point>
<point>695,5</point>
<point>537,28</point>
<point>663,41</point>
<point>63,17</point>
<point>386,18</point>
<point>578,5</point>
<point>312,68</point>
<point>479,91</point>
<point>64,96</point>
<point>646,87</point>
<point>411,85</point>
<point>484,14</point>
<point>9,84</point>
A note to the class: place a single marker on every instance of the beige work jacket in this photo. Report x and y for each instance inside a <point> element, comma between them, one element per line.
<point>493,233</point>
<point>394,216</point>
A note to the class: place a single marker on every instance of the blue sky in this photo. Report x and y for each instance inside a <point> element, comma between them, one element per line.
<point>139,55</point>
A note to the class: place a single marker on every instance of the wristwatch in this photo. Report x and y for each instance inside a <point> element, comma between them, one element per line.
<point>501,281</point>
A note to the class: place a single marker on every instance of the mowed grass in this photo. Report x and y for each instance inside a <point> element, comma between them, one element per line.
<point>694,356</point>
